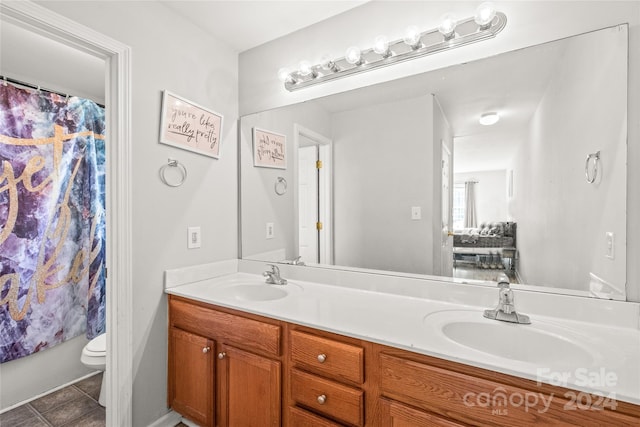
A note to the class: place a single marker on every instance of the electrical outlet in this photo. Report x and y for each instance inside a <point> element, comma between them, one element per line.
<point>416,213</point>
<point>270,232</point>
<point>194,238</point>
<point>609,242</point>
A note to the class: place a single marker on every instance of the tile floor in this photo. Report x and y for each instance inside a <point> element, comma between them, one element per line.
<point>73,406</point>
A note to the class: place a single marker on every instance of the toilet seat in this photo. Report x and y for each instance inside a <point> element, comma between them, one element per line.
<point>97,347</point>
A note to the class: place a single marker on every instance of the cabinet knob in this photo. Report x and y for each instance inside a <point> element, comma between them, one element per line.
<point>222,355</point>
<point>322,357</point>
<point>321,399</point>
<point>206,349</point>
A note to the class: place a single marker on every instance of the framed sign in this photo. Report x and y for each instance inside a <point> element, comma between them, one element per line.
<point>269,149</point>
<point>187,125</point>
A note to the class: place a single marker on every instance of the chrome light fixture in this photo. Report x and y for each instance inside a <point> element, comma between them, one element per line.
<point>451,33</point>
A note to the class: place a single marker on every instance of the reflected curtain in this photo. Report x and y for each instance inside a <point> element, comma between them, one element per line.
<point>52,220</point>
<point>470,218</point>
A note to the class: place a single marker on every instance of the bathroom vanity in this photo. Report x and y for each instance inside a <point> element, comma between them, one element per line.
<point>307,354</point>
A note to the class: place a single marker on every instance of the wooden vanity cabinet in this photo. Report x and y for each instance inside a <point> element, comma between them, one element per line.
<point>230,368</point>
<point>225,369</point>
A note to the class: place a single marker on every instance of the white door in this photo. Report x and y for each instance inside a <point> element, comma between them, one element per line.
<point>446,260</point>
<point>308,204</point>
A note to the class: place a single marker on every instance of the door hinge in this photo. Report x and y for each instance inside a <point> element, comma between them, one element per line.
<point>318,164</point>
<point>106,273</point>
<point>318,226</point>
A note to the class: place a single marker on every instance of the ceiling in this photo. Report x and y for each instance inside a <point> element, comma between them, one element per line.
<point>242,24</point>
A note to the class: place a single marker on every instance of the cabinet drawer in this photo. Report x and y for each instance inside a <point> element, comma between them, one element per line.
<point>328,397</point>
<point>244,333</point>
<point>482,402</point>
<point>301,418</point>
<point>327,357</point>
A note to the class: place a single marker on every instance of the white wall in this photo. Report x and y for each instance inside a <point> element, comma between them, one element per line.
<point>169,53</point>
<point>491,194</point>
<point>577,116</point>
<point>30,376</point>
<point>529,23</point>
<point>371,164</point>
<point>260,203</point>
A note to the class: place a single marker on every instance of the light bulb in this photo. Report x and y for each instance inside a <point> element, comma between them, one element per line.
<point>381,46</point>
<point>485,14</point>
<point>327,64</point>
<point>306,69</point>
<point>447,25</point>
<point>284,75</point>
<point>488,119</point>
<point>412,36</point>
<point>353,56</point>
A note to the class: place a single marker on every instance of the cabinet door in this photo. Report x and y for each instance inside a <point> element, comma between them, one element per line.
<point>395,414</point>
<point>249,389</point>
<point>191,376</point>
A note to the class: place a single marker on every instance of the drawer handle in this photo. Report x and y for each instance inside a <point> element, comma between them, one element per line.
<point>322,357</point>
<point>321,399</point>
<point>221,355</point>
<point>206,349</point>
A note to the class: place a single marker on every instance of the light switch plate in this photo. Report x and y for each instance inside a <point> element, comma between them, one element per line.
<point>609,245</point>
<point>194,238</point>
<point>416,213</point>
<point>270,232</point>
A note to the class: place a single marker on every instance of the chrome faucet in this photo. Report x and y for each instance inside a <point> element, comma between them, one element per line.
<point>297,261</point>
<point>273,276</point>
<point>506,310</point>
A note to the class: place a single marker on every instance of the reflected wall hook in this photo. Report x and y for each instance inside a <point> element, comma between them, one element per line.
<point>173,164</point>
<point>595,159</point>
<point>280,186</point>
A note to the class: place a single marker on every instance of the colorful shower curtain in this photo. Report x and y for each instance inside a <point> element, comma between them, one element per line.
<point>52,220</point>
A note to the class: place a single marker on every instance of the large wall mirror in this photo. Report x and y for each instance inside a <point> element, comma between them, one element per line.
<point>402,178</point>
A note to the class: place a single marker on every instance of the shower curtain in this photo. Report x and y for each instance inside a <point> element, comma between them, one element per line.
<point>52,220</point>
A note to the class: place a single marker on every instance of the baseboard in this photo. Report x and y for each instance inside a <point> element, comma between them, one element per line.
<point>7,409</point>
<point>169,419</point>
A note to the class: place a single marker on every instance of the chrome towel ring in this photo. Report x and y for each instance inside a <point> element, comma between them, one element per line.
<point>173,164</point>
<point>593,158</point>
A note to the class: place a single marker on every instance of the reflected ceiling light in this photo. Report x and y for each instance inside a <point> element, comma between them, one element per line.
<point>354,56</point>
<point>488,119</point>
<point>486,24</point>
<point>381,46</point>
<point>485,14</point>
<point>447,25</point>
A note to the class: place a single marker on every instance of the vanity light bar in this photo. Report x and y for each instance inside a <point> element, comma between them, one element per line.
<point>465,32</point>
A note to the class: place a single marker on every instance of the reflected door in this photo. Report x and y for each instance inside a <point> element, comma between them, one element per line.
<point>308,204</point>
<point>446,260</point>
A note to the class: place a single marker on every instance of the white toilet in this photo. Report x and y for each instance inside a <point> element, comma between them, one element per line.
<point>94,356</point>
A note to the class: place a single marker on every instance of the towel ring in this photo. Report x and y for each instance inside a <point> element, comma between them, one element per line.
<point>595,159</point>
<point>280,186</point>
<point>173,164</point>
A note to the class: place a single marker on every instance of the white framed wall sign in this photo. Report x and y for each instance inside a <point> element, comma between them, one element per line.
<point>269,149</point>
<point>187,125</point>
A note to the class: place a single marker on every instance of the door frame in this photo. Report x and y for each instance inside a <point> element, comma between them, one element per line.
<point>119,321</point>
<point>325,149</point>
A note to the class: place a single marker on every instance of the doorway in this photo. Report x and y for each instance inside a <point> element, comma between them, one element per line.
<point>38,19</point>
<point>314,196</point>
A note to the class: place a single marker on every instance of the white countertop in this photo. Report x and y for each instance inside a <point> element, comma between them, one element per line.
<point>415,324</point>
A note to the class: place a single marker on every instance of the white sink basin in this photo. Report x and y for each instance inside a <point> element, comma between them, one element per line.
<point>257,291</point>
<point>540,343</point>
